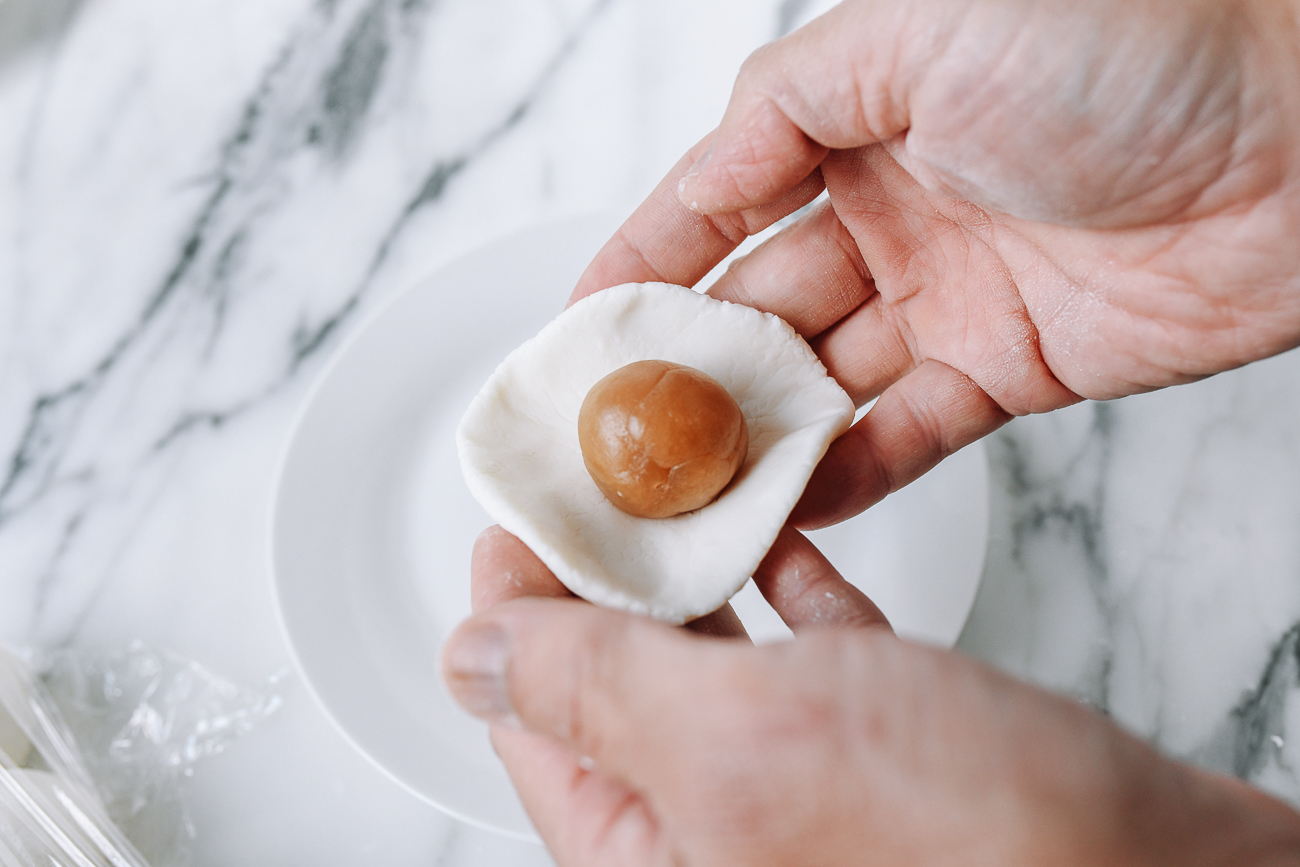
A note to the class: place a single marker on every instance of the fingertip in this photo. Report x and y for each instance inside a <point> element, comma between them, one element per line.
<point>686,193</point>
<point>686,187</point>
<point>491,540</point>
<point>757,156</point>
<point>503,568</point>
<point>474,662</point>
<point>806,589</point>
<point>480,657</point>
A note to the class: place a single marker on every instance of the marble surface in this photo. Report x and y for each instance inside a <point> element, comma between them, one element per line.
<point>199,200</point>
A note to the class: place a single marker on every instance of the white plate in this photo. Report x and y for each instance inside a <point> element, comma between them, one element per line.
<point>373,525</point>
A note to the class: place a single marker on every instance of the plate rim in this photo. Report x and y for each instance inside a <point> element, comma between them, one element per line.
<point>321,380</point>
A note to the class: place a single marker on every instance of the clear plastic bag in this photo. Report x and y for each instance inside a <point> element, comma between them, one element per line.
<point>49,811</point>
<point>143,718</point>
<point>94,753</point>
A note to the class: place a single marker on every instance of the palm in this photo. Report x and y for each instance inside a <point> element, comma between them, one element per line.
<point>1146,151</point>
<point>1037,314</point>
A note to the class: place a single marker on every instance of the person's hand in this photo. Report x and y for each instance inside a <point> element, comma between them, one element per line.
<point>632,743</point>
<point>1029,203</point>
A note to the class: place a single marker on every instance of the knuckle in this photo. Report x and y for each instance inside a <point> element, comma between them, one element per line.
<point>755,67</point>
<point>733,227</point>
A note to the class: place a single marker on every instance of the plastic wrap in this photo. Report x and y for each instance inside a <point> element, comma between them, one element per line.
<point>50,813</point>
<point>96,752</point>
<point>144,717</point>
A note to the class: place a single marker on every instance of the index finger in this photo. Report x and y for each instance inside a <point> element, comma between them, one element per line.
<point>503,568</point>
<point>804,588</point>
<point>666,242</point>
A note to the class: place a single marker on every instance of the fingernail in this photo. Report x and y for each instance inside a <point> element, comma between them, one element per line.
<point>474,664</point>
<point>691,173</point>
<point>701,164</point>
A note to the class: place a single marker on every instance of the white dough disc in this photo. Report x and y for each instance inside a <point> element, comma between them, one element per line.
<point>519,451</point>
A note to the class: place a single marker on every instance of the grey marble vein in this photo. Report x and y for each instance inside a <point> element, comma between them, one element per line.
<point>312,104</point>
<point>1252,742</point>
<point>1259,720</point>
<point>28,24</point>
<point>1049,494</point>
<point>307,340</point>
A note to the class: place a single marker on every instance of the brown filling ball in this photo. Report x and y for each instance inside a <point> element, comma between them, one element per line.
<point>660,439</point>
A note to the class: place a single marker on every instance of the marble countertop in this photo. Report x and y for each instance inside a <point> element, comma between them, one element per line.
<point>200,200</point>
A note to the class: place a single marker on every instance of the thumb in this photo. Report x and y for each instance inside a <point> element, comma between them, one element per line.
<point>839,82</point>
<point>587,677</point>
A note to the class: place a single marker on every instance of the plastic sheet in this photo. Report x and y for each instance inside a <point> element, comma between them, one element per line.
<point>144,717</point>
<point>97,750</point>
<point>49,811</point>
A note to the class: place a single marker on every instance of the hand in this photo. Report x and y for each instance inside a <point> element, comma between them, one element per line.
<point>1028,203</point>
<point>846,746</point>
